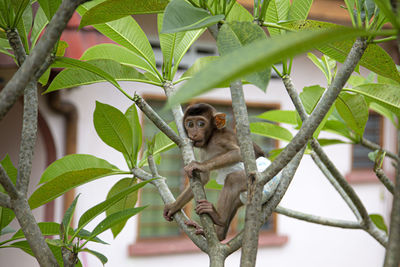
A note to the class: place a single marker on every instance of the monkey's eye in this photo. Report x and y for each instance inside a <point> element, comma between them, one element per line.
<point>190,124</point>
<point>201,124</point>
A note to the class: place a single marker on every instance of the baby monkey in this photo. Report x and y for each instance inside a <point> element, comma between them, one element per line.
<point>219,150</point>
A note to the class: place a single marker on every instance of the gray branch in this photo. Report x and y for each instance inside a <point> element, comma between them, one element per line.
<point>392,256</point>
<point>5,201</point>
<point>15,87</point>
<point>157,120</point>
<point>336,185</point>
<point>287,176</point>
<point>373,146</point>
<point>32,232</point>
<point>152,166</point>
<point>16,44</point>
<point>334,176</point>
<point>28,137</point>
<point>312,123</point>
<point>180,217</point>
<point>195,181</point>
<point>318,219</point>
<point>254,190</point>
<point>385,180</point>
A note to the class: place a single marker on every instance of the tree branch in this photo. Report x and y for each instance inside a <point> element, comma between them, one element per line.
<point>195,181</point>
<point>157,120</point>
<point>254,190</point>
<point>34,61</point>
<point>335,184</point>
<point>180,217</point>
<point>373,146</point>
<point>312,123</point>
<point>5,201</point>
<point>16,44</point>
<point>287,176</point>
<point>385,180</point>
<point>32,232</point>
<point>334,176</point>
<point>28,137</point>
<point>392,256</point>
<point>318,219</point>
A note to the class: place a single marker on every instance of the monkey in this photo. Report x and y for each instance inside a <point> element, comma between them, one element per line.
<point>219,150</point>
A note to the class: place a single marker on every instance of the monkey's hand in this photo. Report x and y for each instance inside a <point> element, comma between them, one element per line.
<point>194,166</point>
<point>169,211</point>
<point>199,230</point>
<point>205,207</point>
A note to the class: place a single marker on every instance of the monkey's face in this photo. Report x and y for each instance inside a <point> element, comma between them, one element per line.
<point>198,129</point>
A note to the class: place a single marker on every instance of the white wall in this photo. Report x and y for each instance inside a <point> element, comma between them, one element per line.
<point>309,245</point>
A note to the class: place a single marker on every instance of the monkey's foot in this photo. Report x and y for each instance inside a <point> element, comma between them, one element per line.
<point>199,229</point>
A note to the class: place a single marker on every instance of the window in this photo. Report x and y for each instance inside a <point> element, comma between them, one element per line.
<point>152,225</point>
<point>362,166</point>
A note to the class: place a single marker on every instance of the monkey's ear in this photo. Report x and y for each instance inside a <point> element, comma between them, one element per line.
<point>220,120</point>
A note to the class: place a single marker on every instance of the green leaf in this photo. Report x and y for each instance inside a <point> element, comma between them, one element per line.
<point>385,7</point>
<point>182,16</point>
<point>114,219</point>
<point>67,173</point>
<point>10,169</point>
<point>239,13</point>
<point>126,32</point>
<point>323,65</point>
<point>337,127</point>
<point>84,234</point>
<point>374,58</point>
<point>199,64</point>
<point>162,142</point>
<point>354,111</point>
<point>299,9</point>
<point>329,142</point>
<point>277,11</point>
<point>115,9</point>
<point>311,96</point>
<point>49,7</point>
<point>255,57</point>
<point>125,203</point>
<point>175,45</point>
<point>281,116</point>
<point>47,229</point>
<point>7,215</point>
<point>378,220</point>
<point>73,77</point>
<point>212,184</point>
<point>235,35</point>
<point>132,116</point>
<point>120,54</point>
<point>24,246</point>
<point>186,41</point>
<point>66,222</point>
<point>24,25</point>
<point>74,164</point>
<point>386,95</point>
<point>98,255</point>
<point>39,24</point>
<point>113,128</point>
<point>384,112</point>
<point>61,47</point>
<point>93,212</point>
<point>271,130</point>
<point>64,62</point>
<point>55,242</point>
